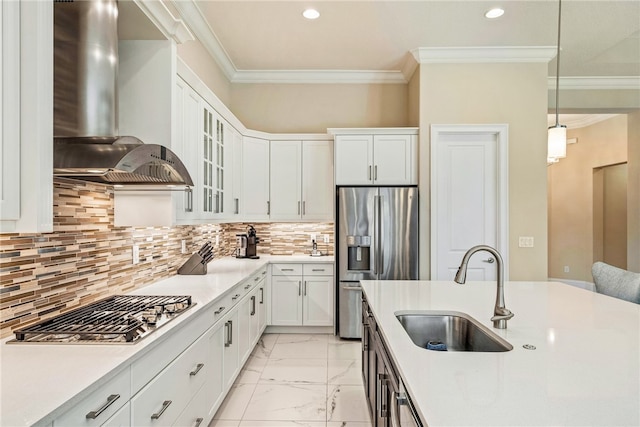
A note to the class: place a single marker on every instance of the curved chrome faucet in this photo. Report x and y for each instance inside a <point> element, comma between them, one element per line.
<point>500,313</point>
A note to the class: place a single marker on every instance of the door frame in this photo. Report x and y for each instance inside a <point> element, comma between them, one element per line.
<point>501,132</point>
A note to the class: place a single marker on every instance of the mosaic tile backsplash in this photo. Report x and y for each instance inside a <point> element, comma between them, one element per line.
<point>87,258</point>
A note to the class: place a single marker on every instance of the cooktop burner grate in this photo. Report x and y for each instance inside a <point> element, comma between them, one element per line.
<point>121,318</point>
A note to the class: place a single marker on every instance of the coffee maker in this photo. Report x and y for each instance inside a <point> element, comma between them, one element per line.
<point>247,244</point>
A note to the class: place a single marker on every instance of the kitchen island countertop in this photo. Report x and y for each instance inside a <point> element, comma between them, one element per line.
<point>38,382</point>
<point>585,370</point>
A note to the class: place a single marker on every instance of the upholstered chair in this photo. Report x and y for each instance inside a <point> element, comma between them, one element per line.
<point>616,282</point>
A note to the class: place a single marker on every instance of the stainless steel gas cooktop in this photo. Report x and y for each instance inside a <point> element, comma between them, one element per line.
<point>118,319</point>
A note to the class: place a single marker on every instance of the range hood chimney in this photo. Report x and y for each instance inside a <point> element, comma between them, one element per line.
<point>86,141</point>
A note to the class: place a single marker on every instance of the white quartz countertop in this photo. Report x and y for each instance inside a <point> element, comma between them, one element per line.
<point>585,370</point>
<point>38,382</point>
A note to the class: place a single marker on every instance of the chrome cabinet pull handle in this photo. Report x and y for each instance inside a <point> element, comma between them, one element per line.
<point>220,310</point>
<point>198,422</point>
<point>95,414</point>
<point>305,288</point>
<point>304,207</point>
<point>375,173</point>
<point>261,295</point>
<point>235,297</point>
<point>369,172</point>
<point>299,288</point>
<point>317,269</point>
<point>286,269</point>
<point>158,414</point>
<point>298,207</point>
<point>230,332</point>
<point>188,199</point>
<point>227,342</point>
<point>195,371</point>
<point>237,206</point>
<point>247,287</point>
<point>253,305</point>
<point>256,279</point>
<point>268,208</point>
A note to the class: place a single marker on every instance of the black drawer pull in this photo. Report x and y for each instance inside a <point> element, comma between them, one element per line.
<point>95,414</point>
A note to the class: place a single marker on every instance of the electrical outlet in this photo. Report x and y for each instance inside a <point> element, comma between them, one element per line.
<point>525,242</point>
<point>566,268</point>
<point>217,240</point>
<point>326,238</point>
<point>135,254</point>
<point>183,246</point>
<point>313,236</point>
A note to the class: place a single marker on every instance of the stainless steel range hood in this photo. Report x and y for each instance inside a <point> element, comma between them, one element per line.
<point>86,145</point>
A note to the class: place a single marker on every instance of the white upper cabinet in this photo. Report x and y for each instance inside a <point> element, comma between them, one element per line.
<point>202,142</point>
<point>254,202</point>
<point>354,159</point>
<point>317,180</point>
<point>301,180</point>
<point>26,116</point>
<point>376,156</point>
<point>184,145</point>
<point>235,138</point>
<point>285,180</point>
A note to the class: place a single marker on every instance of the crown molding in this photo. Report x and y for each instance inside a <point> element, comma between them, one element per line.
<point>596,83</point>
<point>577,121</point>
<point>173,28</point>
<point>479,54</point>
<point>319,76</point>
<point>194,19</point>
<point>192,15</point>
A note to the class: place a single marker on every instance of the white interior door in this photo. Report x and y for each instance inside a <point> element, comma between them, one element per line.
<point>468,201</point>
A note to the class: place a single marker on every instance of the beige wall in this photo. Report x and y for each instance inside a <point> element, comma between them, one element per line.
<point>633,191</point>
<point>292,108</point>
<point>595,100</point>
<point>198,59</point>
<point>515,94</point>
<point>570,181</point>
<point>413,97</point>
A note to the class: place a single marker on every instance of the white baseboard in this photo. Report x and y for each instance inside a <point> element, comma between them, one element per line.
<point>299,330</point>
<point>577,283</point>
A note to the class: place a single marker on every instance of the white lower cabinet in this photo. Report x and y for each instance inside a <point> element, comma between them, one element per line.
<point>231,361</point>
<point>165,397</point>
<point>301,296</point>
<point>182,380</point>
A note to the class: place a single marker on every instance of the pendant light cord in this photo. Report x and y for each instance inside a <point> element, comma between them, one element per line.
<point>558,62</point>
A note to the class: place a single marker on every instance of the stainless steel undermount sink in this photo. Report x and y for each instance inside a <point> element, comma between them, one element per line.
<point>457,331</point>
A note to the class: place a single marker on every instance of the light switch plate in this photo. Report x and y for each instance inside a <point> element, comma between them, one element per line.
<point>135,254</point>
<point>525,242</point>
<point>326,238</point>
<point>183,246</point>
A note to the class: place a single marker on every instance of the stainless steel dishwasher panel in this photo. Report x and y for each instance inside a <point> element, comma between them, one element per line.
<point>350,310</point>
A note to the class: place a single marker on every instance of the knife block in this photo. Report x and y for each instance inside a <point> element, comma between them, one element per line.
<point>195,265</point>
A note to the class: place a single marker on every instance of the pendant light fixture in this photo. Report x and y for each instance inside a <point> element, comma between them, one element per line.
<point>557,135</point>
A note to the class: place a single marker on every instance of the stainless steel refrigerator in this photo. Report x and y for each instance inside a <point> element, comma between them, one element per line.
<point>377,239</point>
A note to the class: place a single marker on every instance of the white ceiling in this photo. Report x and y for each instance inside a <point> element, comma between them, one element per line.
<point>599,38</point>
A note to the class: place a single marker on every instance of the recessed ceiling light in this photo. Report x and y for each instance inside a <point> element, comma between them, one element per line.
<point>311,14</point>
<point>496,12</point>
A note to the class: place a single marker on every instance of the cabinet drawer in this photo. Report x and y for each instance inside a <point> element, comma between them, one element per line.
<point>317,269</point>
<point>160,355</point>
<point>166,396</point>
<point>97,407</point>
<point>286,269</point>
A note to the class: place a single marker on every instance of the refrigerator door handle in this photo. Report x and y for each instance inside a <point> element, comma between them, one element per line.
<point>379,245</point>
<point>376,215</point>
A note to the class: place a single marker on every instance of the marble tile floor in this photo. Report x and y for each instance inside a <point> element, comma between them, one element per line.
<point>298,380</point>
